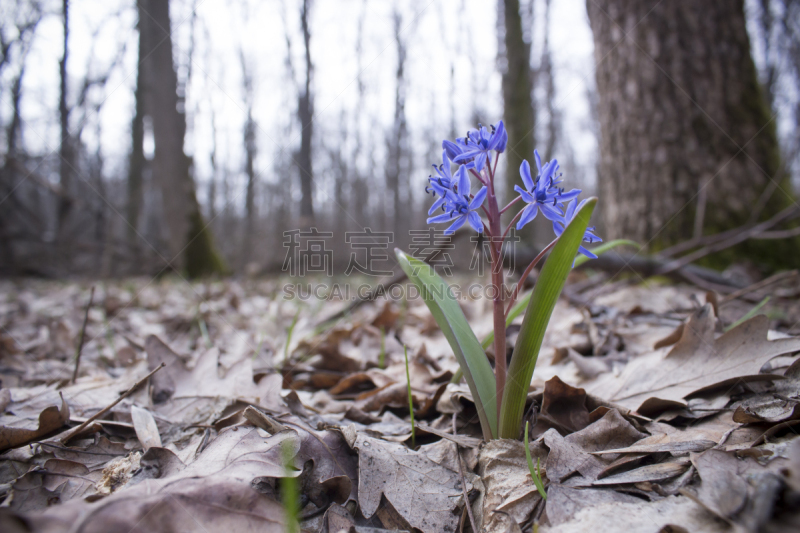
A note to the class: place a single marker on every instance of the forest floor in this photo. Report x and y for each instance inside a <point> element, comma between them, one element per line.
<point>653,408</point>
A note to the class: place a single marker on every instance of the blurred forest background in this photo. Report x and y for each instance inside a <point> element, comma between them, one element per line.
<point>191,134</point>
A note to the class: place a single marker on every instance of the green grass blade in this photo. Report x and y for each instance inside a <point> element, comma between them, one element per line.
<point>543,300</point>
<point>466,347</point>
<point>750,314</point>
<point>290,492</point>
<point>537,473</point>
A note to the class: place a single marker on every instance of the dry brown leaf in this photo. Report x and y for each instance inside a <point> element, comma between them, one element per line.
<point>723,489</point>
<point>202,394</point>
<point>655,472</point>
<point>641,516</point>
<point>15,433</point>
<point>777,403</point>
<point>94,456</point>
<point>146,428</point>
<point>334,475</point>
<point>564,502</point>
<point>508,487</point>
<point>573,453</point>
<point>563,408</point>
<point>215,493</point>
<point>696,363</point>
<point>425,493</point>
<point>675,448</point>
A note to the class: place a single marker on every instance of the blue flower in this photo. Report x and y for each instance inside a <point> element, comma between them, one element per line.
<point>453,149</point>
<point>457,204</point>
<point>441,183</point>
<point>543,193</point>
<point>560,225</point>
<point>475,147</point>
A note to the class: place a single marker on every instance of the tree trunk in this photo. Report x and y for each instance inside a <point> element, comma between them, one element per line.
<point>66,153</point>
<point>397,160</point>
<point>305,113</point>
<point>137,160</point>
<point>519,114</point>
<point>250,156</point>
<point>687,141</point>
<point>190,244</point>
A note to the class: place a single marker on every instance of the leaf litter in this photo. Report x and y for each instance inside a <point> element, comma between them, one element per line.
<point>645,413</point>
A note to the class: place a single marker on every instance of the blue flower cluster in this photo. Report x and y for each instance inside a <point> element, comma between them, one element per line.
<point>473,154</point>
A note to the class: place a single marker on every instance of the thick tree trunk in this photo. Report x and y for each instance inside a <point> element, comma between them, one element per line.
<point>190,244</point>
<point>687,144</point>
<point>519,114</point>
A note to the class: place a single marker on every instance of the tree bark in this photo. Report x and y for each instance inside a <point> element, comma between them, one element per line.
<point>305,113</point>
<point>398,160</point>
<point>66,153</point>
<point>190,244</point>
<point>137,160</point>
<point>519,113</point>
<point>687,141</point>
<point>250,150</point>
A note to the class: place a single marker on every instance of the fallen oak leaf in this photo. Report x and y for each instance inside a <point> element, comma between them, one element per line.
<point>654,472</point>
<point>425,493</point>
<point>671,447</point>
<point>508,488</point>
<point>696,364</point>
<point>572,453</point>
<point>215,493</point>
<point>50,420</point>
<point>564,502</point>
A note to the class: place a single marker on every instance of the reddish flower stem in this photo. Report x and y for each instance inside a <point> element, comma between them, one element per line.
<point>511,203</point>
<point>498,307</point>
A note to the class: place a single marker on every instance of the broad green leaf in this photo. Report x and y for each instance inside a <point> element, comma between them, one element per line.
<point>466,347</point>
<point>543,300</point>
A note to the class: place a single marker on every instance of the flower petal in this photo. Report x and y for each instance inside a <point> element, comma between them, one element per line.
<point>569,195</point>
<point>479,198</point>
<point>586,252</point>
<point>457,224</point>
<point>446,217</point>
<point>528,214</point>
<point>436,205</point>
<point>475,221</point>
<point>525,174</point>
<point>463,181</point>
<point>451,149</point>
<point>550,212</point>
<point>480,161</point>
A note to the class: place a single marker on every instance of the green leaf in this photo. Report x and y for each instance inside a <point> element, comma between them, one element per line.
<point>543,301</point>
<point>468,351</point>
